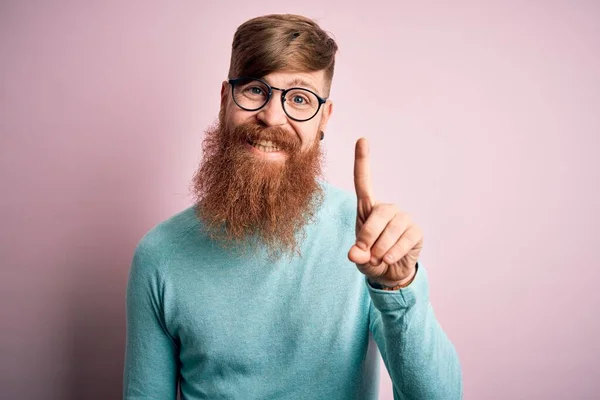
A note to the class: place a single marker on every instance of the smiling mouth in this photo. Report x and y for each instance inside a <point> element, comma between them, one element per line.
<point>264,145</point>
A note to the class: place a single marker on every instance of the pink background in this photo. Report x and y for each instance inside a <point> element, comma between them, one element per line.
<point>484,121</point>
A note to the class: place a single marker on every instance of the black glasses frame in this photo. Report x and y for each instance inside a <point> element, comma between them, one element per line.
<point>235,81</point>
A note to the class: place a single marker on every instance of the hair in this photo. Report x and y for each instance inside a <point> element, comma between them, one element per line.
<point>270,43</point>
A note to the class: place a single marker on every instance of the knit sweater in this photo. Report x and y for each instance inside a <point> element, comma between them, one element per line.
<point>225,324</point>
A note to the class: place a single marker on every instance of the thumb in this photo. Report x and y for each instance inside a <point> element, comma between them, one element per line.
<point>359,256</point>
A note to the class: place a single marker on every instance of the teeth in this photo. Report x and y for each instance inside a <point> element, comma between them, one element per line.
<point>266,146</point>
<point>265,143</point>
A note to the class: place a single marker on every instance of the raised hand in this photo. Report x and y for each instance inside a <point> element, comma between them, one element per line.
<point>388,243</point>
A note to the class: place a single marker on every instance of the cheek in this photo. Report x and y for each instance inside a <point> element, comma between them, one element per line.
<point>309,135</point>
<point>235,117</point>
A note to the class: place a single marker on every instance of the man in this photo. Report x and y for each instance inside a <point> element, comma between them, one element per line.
<point>276,285</point>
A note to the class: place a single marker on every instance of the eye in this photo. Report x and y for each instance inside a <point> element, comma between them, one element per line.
<point>255,90</point>
<point>298,99</point>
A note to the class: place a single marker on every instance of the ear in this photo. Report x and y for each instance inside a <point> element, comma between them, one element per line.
<point>327,110</point>
<point>224,94</point>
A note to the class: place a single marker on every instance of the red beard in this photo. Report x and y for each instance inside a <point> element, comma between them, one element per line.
<point>241,196</point>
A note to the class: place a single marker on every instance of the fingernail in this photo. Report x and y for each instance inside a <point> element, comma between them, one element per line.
<point>374,261</point>
<point>361,245</point>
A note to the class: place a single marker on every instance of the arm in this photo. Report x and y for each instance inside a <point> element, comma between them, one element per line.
<point>419,357</point>
<point>422,362</point>
<point>151,369</point>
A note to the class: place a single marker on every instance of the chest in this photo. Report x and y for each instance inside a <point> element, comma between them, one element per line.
<point>248,319</point>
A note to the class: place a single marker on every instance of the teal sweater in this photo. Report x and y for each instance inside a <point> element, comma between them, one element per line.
<point>233,325</point>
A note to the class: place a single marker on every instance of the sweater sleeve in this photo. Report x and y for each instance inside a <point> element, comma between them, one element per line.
<point>421,360</point>
<point>151,370</point>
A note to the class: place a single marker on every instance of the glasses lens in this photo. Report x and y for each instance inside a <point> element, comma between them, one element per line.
<point>250,94</point>
<point>301,104</point>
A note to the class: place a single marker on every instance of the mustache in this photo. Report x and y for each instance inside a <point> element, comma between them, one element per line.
<point>282,138</point>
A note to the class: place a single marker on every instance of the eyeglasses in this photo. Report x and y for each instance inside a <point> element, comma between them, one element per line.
<point>252,94</point>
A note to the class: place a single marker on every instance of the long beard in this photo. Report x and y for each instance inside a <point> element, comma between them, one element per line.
<point>245,199</point>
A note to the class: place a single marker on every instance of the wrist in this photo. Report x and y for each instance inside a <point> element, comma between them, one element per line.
<point>384,284</point>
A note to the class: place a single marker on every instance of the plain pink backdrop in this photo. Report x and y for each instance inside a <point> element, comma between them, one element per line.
<point>484,123</point>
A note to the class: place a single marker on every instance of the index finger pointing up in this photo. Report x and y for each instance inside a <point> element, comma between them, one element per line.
<point>362,171</point>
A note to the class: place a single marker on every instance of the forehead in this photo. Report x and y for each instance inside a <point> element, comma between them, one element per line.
<point>314,80</point>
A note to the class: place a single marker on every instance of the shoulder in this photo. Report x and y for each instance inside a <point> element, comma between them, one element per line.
<point>339,205</point>
<point>161,240</point>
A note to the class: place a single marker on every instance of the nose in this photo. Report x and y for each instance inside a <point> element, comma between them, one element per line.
<point>272,113</point>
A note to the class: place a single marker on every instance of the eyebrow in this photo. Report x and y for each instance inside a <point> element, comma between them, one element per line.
<point>300,82</point>
<point>303,83</point>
